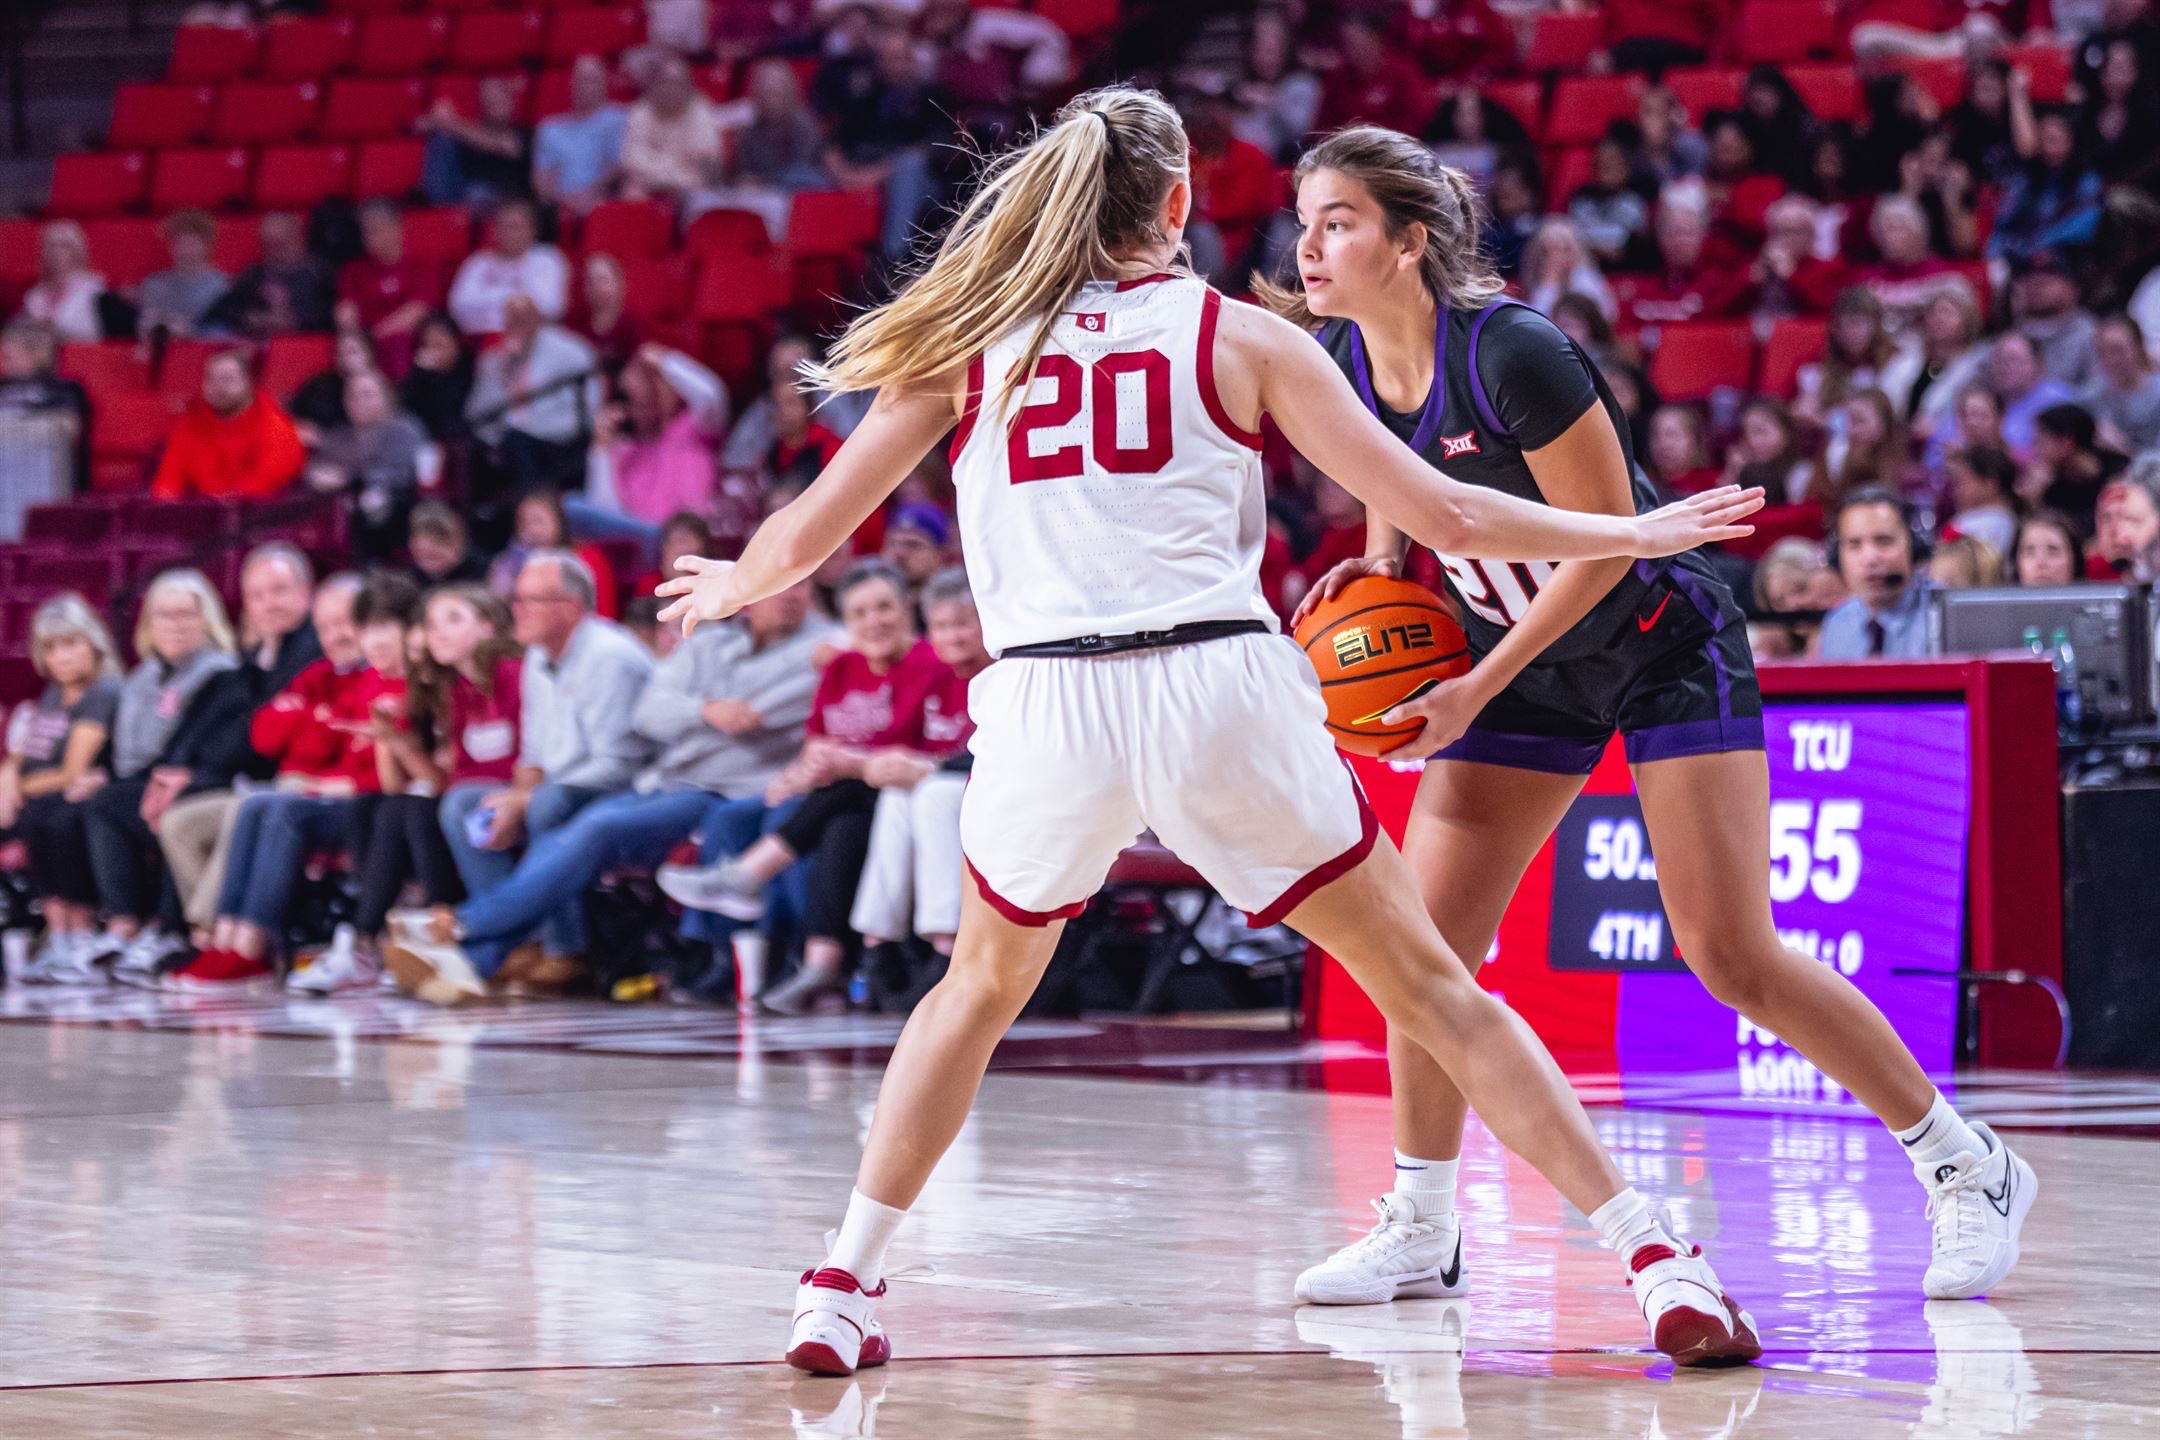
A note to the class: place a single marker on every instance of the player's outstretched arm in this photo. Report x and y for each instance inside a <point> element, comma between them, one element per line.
<point>801,535</point>
<point>1292,379</point>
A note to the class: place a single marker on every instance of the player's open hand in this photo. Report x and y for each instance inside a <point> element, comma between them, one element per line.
<point>1447,709</point>
<point>703,591</point>
<point>1328,586</point>
<point>1698,520</point>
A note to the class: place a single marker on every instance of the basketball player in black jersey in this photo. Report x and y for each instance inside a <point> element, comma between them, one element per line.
<point>1569,655</point>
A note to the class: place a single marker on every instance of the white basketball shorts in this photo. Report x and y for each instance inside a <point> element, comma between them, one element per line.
<point>1218,747</point>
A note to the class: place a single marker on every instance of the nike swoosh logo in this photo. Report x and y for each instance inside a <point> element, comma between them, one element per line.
<point>1454,1271</point>
<point>1644,625</point>
<point>2000,1202</point>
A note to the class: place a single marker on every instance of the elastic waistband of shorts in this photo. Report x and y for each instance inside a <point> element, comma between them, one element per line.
<point>1089,645</point>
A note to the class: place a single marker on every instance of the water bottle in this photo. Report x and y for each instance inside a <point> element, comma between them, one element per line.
<point>2069,704</point>
<point>2032,642</point>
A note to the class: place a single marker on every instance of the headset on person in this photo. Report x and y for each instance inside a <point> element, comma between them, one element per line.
<point>1882,495</point>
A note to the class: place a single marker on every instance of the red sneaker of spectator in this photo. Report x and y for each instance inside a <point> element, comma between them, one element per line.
<point>219,970</point>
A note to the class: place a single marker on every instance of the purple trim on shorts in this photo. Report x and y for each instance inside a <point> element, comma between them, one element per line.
<point>1693,737</point>
<point>1487,416</point>
<point>1707,604</point>
<point>1552,754</point>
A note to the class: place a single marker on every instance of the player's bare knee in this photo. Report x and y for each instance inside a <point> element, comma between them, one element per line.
<point>1736,975</point>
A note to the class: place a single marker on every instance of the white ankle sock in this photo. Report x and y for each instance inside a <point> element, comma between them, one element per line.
<point>1627,1223</point>
<point>1429,1185</point>
<point>1941,1136</point>
<point>859,1248</point>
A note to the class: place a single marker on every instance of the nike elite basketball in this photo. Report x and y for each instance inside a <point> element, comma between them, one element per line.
<point>1378,643</point>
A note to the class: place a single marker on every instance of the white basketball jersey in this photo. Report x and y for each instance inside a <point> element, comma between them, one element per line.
<point>1122,497</point>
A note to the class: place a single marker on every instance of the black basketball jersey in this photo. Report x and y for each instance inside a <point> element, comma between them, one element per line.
<point>1531,385</point>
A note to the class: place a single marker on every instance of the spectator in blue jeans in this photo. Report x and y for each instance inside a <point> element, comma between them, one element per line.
<point>578,696</point>
<point>726,712</point>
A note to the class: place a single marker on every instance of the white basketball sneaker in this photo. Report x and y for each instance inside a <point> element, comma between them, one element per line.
<point>1691,1317</point>
<point>1978,1204</point>
<point>836,1331</point>
<point>1400,1258</point>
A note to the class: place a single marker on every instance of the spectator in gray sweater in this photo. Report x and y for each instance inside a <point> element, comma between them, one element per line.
<point>726,711</point>
<point>176,299</point>
<point>375,459</point>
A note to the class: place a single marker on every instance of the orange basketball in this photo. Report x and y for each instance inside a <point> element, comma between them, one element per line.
<point>1376,644</point>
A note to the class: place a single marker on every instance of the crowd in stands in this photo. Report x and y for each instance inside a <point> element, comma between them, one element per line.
<point>1892,260</point>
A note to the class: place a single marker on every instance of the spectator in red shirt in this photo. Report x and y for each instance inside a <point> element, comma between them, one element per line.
<point>801,447</point>
<point>385,291</point>
<point>912,877</point>
<point>1695,279</point>
<point>872,698</point>
<point>235,440</point>
<point>322,733</point>
<point>1678,458</point>
<point>1458,37</point>
<point>1372,84</point>
<point>1788,277</point>
<point>1235,187</point>
<point>1907,277</point>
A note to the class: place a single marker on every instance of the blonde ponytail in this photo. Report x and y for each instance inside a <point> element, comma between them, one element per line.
<point>1047,219</point>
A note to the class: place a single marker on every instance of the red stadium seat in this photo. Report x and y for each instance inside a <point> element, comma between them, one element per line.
<point>358,109</point>
<point>68,524</point>
<point>238,243</point>
<point>303,47</point>
<point>1700,356</point>
<point>496,39</point>
<point>738,288</point>
<point>387,168</point>
<point>298,177</point>
<point>1793,343</point>
<point>657,287</point>
<point>98,183</point>
<point>94,575</point>
<point>290,360</point>
<point>443,235</point>
<point>1563,42</point>
<point>1702,91</point>
<point>125,249</point>
<point>2046,66</point>
<point>191,518</point>
<point>551,93</point>
<point>259,112</point>
<point>1783,30</point>
<point>1523,99</point>
<point>125,431</point>
<point>1942,79</point>
<point>180,369</point>
<point>211,52</point>
<point>626,228</point>
<point>148,115</point>
<point>1081,19</point>
<point>727,232</point>
<point>400,44</point>
<point>19,253</point>
<point>106,367</point>
<point>1583,105</point>
<point>592,30</point>
<point>1567,171</point>
<point>1831,91</point>
<point>834,222</point>
<point>207,179</point>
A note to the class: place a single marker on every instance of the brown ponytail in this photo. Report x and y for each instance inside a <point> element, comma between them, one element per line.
<point>1411,187</point>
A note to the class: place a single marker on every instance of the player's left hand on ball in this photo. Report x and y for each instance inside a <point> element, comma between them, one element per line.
<point>1698,520</point>
<point>1447,710</point>
<point>703,592</point>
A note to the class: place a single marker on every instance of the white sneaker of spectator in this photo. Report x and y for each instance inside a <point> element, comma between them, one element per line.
<point>722,889</point>
<point>67,960</point>
<point>437,972</point>
<point>341,967</point>
<point>141,960</point>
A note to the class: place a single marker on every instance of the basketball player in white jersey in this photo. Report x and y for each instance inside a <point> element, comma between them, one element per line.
<point>1107,464</point>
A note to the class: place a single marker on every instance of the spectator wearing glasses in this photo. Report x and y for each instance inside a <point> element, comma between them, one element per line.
<point>578,697</point>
